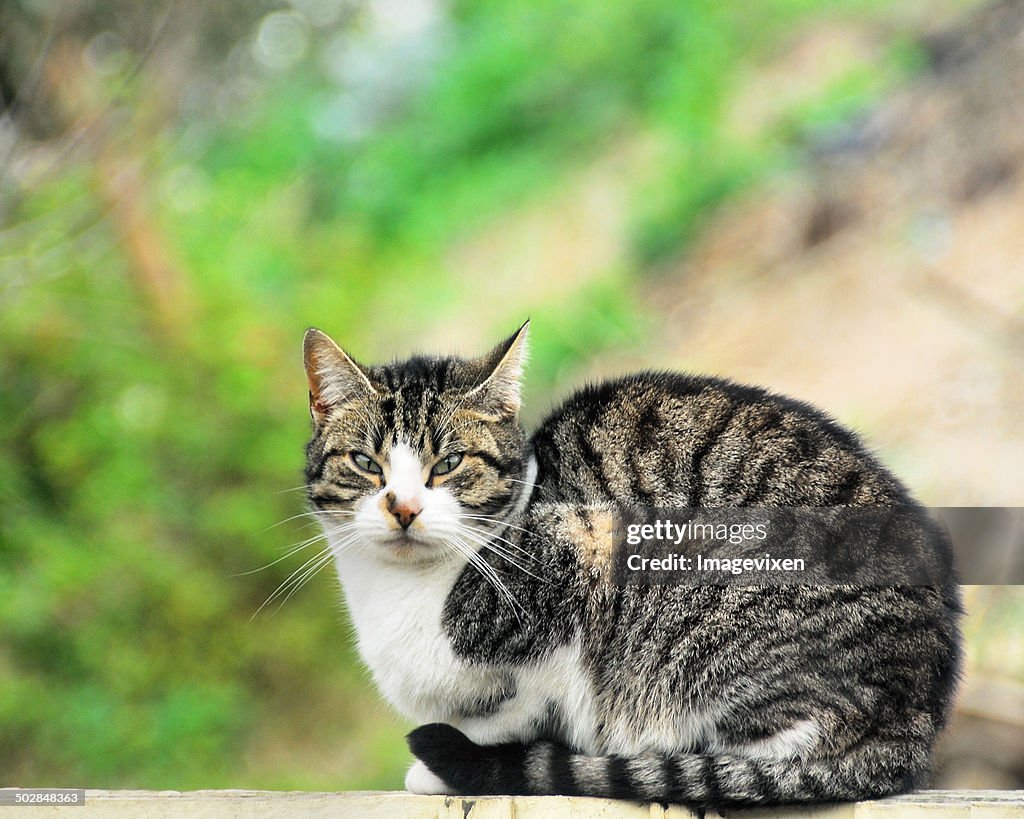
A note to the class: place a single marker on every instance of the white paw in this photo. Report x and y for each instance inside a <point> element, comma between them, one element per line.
<point>421,780</point>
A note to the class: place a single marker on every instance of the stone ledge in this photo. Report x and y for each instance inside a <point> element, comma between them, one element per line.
<point>401,805</point>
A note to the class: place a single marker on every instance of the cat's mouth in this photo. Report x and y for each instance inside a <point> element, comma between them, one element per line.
<point>412,547</point>
<point>408,539</point>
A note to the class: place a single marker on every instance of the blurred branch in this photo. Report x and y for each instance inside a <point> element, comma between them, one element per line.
<point>121,189</point>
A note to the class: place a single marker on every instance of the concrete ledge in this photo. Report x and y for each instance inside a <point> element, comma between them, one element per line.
<point>400,805</point>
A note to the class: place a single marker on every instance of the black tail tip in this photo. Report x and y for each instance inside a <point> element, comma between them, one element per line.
<point>438,739</point>
<point>449,754</point>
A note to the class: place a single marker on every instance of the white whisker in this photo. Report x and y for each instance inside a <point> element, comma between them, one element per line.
<point>510,544</point>
<point>310,568</point>
<point>501,551</point>
<point>489,573</point>
<point>312,513</point>
<point>498,521</point>
<point>291,579</point>
<point>294,489</point>
<point>291,550</point>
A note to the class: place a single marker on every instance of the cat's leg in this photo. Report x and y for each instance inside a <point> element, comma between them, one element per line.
<point>520,719</point>
<point>419,779</point>
<point>552,697</point>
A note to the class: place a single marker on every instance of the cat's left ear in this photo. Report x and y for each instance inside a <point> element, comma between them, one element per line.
<point>499,392</point>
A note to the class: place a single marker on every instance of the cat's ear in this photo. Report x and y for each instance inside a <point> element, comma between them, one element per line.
<point>499,391</point>
<point>334,378</point>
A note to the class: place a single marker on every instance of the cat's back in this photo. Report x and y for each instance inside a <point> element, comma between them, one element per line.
<point>672,440</point>
<point>669,439</point>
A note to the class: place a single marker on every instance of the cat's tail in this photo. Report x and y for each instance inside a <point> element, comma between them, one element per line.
<point>704,781</point>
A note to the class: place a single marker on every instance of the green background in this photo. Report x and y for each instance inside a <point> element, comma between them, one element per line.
<point>157,275</point>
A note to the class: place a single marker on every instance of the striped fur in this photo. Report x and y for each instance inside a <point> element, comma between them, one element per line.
<point>561,681</point>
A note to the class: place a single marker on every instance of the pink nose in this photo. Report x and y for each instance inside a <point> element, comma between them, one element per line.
<point>405,511</point>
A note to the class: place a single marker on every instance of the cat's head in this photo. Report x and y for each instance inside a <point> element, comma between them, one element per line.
<point>418,459</point>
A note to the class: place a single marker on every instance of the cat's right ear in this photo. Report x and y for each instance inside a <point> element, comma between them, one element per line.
<point>334,378</point>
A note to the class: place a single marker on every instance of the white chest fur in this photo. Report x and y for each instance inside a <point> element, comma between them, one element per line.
<point>396,611</point>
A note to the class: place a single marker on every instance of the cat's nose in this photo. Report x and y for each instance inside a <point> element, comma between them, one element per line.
<point>404,511</point>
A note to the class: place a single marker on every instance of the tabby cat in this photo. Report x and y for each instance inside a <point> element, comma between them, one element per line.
<point>477,578</point>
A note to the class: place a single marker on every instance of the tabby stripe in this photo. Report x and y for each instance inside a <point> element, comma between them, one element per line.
<point>314,442</point>
<point>731,487</point>
<point>595,462</point>
<point>760,488</point>
<point>702,452</point>
<point>562,778</point>
<point>444,375</point>
<point>619,783</point>
<point>493,504</point>
<point>430,428</point>
<point>766,788</point>
<point>497,464</point>
<point>388,406</point>
<point>843,493</point>
<point>645,496</point>
<point>673,786</point>
<point>710,776</point>
<point>318,471</point>
<point>647,426</point>
<point>320,496</point>
<point>807,446</point>
<point>812,785</point>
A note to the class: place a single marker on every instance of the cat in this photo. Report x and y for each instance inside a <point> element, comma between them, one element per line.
<point>474,562</point>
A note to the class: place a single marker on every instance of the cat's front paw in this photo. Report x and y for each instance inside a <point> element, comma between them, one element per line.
<point>421,780</point>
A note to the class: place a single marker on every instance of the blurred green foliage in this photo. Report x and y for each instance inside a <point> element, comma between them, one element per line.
<point>142,469</point>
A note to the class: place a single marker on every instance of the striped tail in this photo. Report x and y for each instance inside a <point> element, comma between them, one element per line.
<point>700,781</point>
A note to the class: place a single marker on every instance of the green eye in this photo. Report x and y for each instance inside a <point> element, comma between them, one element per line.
<point>366,463</point>
<point>446,465</point>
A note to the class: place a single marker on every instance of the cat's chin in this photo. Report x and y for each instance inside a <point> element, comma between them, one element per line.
<point>411,549</point>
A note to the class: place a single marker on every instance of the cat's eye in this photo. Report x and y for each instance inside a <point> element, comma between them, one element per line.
<point>446,465</point>
<point>366,463</point>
